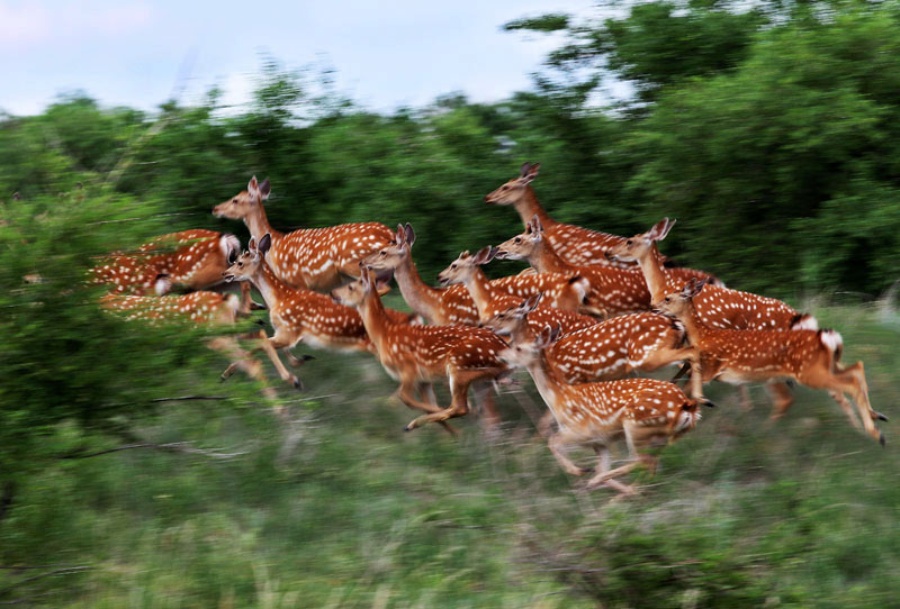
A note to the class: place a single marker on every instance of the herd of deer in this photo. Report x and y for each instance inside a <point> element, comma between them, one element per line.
<point>596,309</point>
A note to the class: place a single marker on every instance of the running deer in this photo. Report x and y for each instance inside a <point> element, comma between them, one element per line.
<point>314,258</point>
<point>192,259</point>
<point>615,290</point>
<point>607,350</point>
<point>716,306</point>
<point>414,355</point>
<point>574,244</point>
<point>809,357</point>
<point>646,412</point>
<point>453,305</point>
<point>299,314</point>
<point>201,309</point>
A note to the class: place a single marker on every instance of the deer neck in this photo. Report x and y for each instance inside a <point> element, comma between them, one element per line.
<point>654,274</point>
<point>258,224</point>
<point>272,289</point>
<point>544,259</point>
<point>547,383</point>
<point>375,319</point>
<point>693,329</point>
<point>528,206</point>
<point>421,297</point>
<point>478,286</point>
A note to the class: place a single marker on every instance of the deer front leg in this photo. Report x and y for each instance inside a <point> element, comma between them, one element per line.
<point>270,346</point>
<point>782,398</point>
<point>558,443</point>
<point>406,393</point>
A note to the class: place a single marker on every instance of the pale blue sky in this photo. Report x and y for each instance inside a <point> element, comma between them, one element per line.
<point>386,53</point>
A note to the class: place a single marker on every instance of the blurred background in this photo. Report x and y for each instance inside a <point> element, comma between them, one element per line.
<point>130,476</point>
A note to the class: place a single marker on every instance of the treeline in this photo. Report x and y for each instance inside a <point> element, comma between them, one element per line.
<point>770,134</point>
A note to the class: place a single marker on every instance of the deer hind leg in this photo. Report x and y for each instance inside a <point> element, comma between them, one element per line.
<point>782,398</point>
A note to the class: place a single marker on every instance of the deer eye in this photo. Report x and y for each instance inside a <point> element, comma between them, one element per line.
<point>629,242</point>
<point>517,240</point>
<point>235,201</point>
<point>382,253</point>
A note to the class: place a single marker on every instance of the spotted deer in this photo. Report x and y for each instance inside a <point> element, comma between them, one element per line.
<point>192,260</point>
<point>607,350</point>
<point>314,258</point>
<point>614,290</point>
<point>645,412</point>
<point>490,301</point>
<point>414,355</point>
<point>716,306</point>
<point>300,314</point>
<point>809,357</point>
<point>200,309</point>
<point>574,244</point>
<point>453,305</point>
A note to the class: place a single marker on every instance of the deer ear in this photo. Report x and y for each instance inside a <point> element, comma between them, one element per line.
<point>264,189</point>
<point>253,187</point>
<point>660,229</point>
<point>265,243</point>
<point>251,247</point>
<point>532,302</point>
<point>485,254</point>
<point>410,234</point>
<point>529,172</point>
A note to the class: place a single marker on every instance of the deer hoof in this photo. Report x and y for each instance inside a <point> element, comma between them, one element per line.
<point>881,439</point>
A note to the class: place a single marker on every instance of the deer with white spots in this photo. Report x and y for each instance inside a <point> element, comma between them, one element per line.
<point>191,260</point>
<point>607,350</point>
<point>645,412</point>
<point>201,309</point>
<point>299,314</point>
<point>716,306</point>
<point>574,244</point>
<point>614,290</point>
<point>414,355</point>
<point>314,258</point>
<point>453,305</point>
<point>809,357</point>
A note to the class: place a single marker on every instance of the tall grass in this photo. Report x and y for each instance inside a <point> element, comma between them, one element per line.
<point>343,509</point>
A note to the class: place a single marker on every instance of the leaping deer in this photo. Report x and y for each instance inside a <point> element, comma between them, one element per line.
<point>809,357</point>
<point>646,412</point>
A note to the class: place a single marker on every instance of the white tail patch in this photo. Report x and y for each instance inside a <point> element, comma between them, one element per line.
<point>832,340</point>
<point>162,285</point>
<point>230,246</point>
<point>806,322</point>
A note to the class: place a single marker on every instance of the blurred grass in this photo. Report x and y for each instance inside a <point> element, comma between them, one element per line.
<point>343,509</point>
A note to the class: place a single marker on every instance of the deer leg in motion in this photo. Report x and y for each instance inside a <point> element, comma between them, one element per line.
<point>241,360</point>
<point>782,398</point>
<point>851,380</point>
<point>406,393</point>
<point>269,346</point>
<point>459,400</point>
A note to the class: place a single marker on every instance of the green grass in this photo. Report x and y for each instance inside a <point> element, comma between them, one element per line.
<point>356,513</point>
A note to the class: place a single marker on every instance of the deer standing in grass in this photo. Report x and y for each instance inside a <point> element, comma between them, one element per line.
<point>201,309</point>
<point>574,244</point>
<point>716,306</point>
<point>646,412</point>
<point>414,355</point>
<point>809,357</point>
<point>300,314</point>
<point>314,258</point>
<point>454,305</point>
